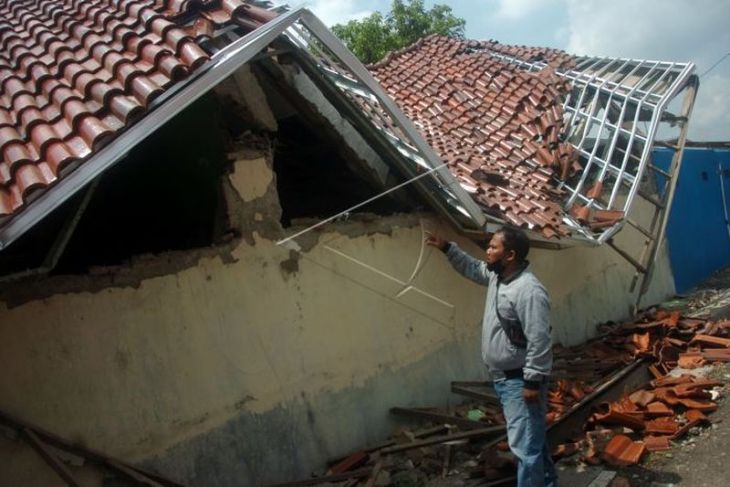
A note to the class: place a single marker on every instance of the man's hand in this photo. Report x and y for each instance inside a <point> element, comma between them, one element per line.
<point>531,395</point>
<point>436,241</point>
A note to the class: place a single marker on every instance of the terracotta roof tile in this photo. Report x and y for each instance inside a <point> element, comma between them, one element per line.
<point>642,398</point>
<point>655,411</point>
<point>622,451</point>
<point>486,116</point>
<point>615,417</point>
<point>662,426</point>
<point>657,443</point>
<point>73,74</point>
<point>711,340</point>
<point>658,409</point>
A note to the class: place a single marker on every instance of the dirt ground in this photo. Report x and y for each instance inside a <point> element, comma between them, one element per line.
<point>702,458</point>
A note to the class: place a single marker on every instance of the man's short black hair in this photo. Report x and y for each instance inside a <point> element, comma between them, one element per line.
<point>515,239</point>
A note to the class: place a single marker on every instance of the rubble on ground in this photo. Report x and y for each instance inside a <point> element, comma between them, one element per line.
<point>466,443</point>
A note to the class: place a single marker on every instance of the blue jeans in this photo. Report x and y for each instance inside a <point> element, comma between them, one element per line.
<point>526,433</point>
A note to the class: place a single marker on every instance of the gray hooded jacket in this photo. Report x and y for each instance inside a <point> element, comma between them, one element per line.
<point>521,299</point>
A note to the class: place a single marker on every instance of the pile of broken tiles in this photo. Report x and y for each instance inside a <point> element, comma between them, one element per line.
<point>666,408</point>
<point>617,433</point>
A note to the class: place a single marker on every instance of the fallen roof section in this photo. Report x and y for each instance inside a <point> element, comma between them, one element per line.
<point>496,125</point>
<point>527,136</point>
<point>543,140</point>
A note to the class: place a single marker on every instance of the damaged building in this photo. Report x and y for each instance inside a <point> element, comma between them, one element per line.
<point>212,221</point>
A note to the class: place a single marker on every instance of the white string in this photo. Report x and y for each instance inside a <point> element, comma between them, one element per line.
<point>436,320</point>
<point>419,263</point>
<point>369,200</point>
<point>388,276</point>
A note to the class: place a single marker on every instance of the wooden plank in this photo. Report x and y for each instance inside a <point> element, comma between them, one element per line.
<point>417,434</point>
<point>469,392</point>
<point>431,415</point>
<point>374,475</point>
<point>354,474</point>
<point>142,479</point>
<point>50,458</point>
<point>492,430</point>
<point>84,452</point>
<point>354,460</point>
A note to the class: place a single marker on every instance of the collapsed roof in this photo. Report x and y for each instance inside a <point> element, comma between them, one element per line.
<point>540,139</point>
<point>532,137</point>
<point>498,126</point>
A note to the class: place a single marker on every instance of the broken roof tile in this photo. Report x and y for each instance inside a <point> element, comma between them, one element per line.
<point>620,418</point>
<point>642,398</point>
<point>711,340</point>
<point>508,107</point>
<point>662,426</point>
<point>657,443</point>
<point>657,408</point>
<point>621,451</point>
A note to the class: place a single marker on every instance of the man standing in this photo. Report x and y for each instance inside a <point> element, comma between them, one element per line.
<point>516,344</point>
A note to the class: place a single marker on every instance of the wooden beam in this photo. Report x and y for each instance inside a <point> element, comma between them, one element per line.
<point>50,458</point>
<point>431,414</point>
<point>354,474</point>
<point>492,430</point>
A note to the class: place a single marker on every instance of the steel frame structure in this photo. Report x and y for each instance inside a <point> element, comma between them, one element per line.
<point>609,99</point>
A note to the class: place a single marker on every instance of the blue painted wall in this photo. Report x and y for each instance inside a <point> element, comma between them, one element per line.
<point>699,242</point>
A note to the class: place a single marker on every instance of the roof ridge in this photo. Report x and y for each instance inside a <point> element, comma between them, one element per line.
<point>390,55</point>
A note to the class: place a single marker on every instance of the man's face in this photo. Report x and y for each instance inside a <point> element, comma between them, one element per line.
<point>497,257</point>
<point>495,250</point>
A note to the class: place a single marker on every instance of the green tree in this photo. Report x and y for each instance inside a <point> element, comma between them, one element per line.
<point>374,36</point>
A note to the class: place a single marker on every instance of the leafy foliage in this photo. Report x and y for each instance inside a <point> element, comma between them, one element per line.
<point>374,36</point>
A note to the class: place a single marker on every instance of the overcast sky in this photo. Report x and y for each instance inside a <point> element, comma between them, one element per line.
<point>669,30</point>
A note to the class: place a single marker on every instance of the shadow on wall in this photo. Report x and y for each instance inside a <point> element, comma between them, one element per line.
<point>698,233</point>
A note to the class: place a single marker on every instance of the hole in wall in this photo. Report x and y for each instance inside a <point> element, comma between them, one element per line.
<point>165,195</point>
<point>314,181</point>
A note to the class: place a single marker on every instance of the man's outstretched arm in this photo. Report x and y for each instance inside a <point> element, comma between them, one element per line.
<point>466,265</point>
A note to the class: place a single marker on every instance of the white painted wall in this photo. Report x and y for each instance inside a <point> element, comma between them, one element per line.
<point>251,363</point>
<point>135,371</point>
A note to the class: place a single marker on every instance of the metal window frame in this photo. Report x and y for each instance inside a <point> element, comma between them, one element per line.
<point>609,80</point>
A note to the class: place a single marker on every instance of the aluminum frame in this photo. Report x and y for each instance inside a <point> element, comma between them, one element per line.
<point>599,85</point>
<point>414,147</point>
<point>612,96</point>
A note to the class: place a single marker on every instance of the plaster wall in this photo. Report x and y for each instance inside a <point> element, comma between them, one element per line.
<point>257,361</point>
<point>252,363</point>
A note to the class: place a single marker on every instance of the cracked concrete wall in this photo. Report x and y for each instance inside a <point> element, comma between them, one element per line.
<point>590,285</point>
<point>259,362</point>
<point>255,335</point>
<point>252,363</point>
